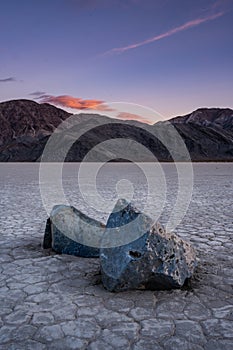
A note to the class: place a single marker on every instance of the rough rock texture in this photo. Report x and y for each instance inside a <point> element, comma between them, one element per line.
<point>67,230</point>
<point>155,260</point>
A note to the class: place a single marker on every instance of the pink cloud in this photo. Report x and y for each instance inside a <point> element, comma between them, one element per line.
<point>74,102</point>
<point>171,32</point>
<point>131,116</point>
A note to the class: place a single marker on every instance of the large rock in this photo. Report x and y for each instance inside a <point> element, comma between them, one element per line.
<point>155,259</point>
<point>69,231</point>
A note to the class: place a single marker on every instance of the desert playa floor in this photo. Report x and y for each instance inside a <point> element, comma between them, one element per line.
<point>50,301</point>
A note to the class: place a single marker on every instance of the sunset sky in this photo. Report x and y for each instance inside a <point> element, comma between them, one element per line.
<point>173,56</point>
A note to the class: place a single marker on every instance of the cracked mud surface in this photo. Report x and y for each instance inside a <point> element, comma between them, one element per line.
<point>50,301</point>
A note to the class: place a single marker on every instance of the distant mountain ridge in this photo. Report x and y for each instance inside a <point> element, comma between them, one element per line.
<point>28,118</point>
<point>210,117</point>
<point>25,127</point>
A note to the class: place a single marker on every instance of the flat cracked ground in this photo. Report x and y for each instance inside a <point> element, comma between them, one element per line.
<point>50,301</point>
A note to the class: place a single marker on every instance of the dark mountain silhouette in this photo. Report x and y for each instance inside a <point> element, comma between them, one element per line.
<point>210,117</point>
<point>26,126</point>
<point>208,133</point>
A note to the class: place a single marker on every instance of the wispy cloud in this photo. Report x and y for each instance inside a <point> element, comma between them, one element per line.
<point>74,102</point>
<point>7,80</point>
<point>185,26</point>
<point>131,116</point>
<point>37,93</point>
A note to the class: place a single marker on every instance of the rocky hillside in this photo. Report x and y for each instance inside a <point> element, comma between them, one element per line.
<point>25,127</point>
<point>208,133</point>
<point>210,117</point>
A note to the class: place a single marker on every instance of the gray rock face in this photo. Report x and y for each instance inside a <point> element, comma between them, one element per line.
<point>155,260</point>
<point>69,231</point>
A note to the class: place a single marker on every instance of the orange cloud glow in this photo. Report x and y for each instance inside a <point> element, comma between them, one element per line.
<point>74,102</point>
<point>131,116</point>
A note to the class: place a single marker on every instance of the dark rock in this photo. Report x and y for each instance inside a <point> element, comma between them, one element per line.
<point>47,242</point>
<point>154,260</point>
<point>69,231</point>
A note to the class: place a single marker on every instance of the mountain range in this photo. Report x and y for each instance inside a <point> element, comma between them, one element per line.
<point>26,126</point>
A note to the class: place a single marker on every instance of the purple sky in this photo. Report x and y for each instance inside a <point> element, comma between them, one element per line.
<point>170,55</point>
